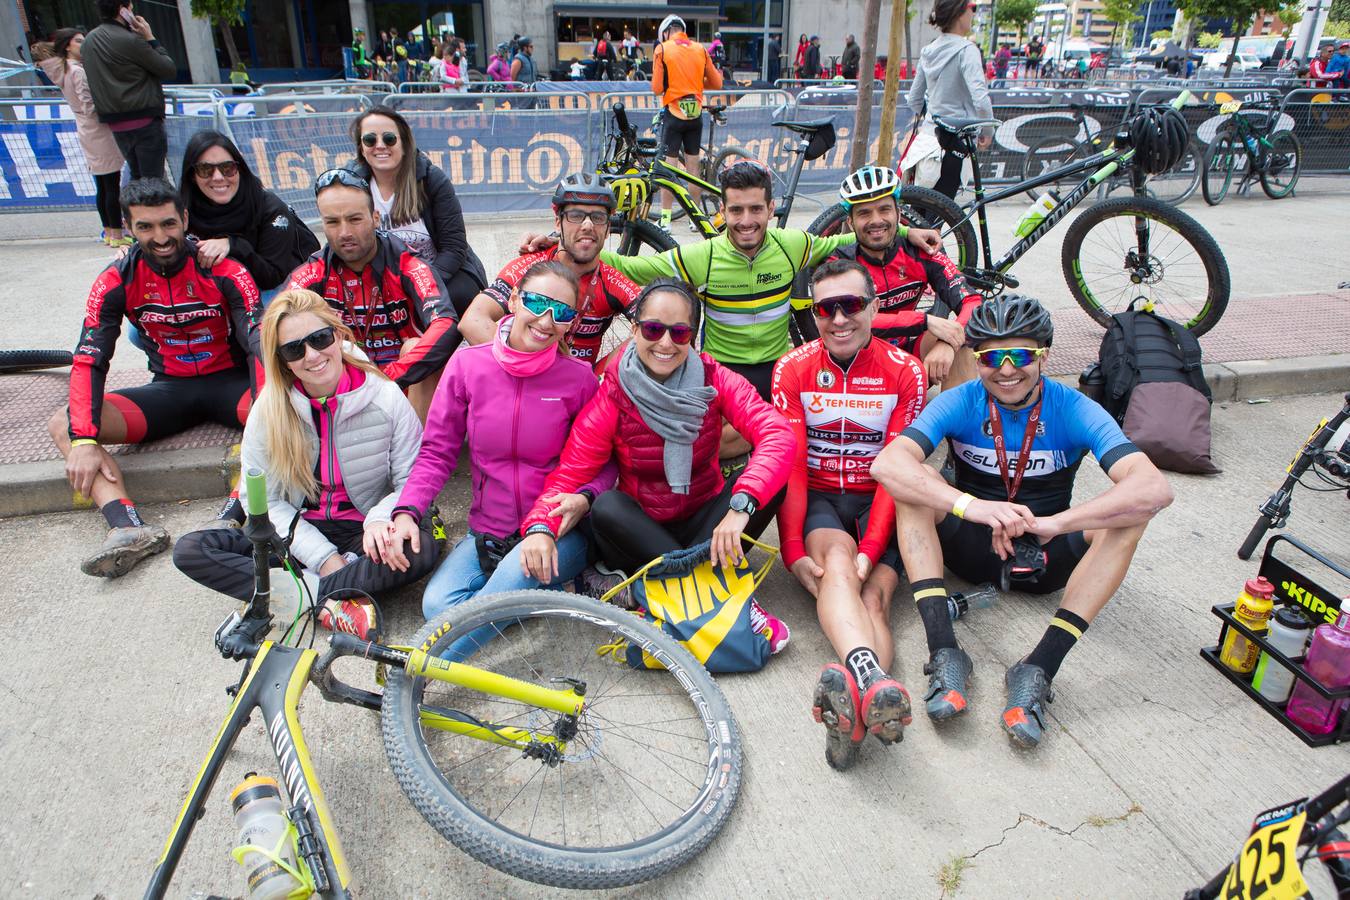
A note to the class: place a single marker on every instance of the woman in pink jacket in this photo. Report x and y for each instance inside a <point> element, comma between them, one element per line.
<point>514,400</point>
<point>60,61</point>
<point>659,414</point>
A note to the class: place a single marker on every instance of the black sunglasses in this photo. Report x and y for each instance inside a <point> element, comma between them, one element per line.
<point>849,304</point>
<point>203,170</point>
<point>294,351</point>
<point>370,138</point>
<point>341,176</point>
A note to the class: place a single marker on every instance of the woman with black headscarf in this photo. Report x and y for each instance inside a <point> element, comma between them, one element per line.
<point>230,214</point>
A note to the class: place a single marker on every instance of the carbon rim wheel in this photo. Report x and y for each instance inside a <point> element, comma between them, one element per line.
<point>628,237</point>
<point>1182,272</point>
<point>1282,165</point>
<point>641,782</point>
<point>1220,161</point>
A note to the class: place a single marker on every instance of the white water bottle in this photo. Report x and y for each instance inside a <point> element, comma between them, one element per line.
<point>1035,215</point>
<point>1289,631</point>
<point>262,822</point>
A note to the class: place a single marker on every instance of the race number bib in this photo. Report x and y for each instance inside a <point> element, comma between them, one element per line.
<point>690,107</point>
<point>1267,867</point>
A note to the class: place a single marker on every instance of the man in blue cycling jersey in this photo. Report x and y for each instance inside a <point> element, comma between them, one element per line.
<point>1017,440</point>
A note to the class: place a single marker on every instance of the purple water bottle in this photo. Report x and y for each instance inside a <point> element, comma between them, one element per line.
<point>1328,662</point>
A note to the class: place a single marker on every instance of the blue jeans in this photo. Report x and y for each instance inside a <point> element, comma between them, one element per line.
<point>460,578</point>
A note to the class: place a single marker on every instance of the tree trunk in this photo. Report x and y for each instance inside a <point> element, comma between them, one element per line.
<point>862,122</point>
<point>1232,54</point>
<point>890,98</point>
<point>909,49</point>
<point>227,35</point>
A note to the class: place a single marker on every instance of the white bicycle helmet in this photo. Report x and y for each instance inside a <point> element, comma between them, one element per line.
<point>867,184</point>
<point>666,23</point>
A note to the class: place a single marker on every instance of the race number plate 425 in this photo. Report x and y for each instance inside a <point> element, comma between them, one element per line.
<point>1267,866</point>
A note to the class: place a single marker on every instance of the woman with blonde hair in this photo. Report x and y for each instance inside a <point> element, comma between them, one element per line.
<point>337,440</point>
<point>416,201</point>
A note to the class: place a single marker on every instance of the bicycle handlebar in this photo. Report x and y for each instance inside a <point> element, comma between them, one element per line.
<point>255,496</point>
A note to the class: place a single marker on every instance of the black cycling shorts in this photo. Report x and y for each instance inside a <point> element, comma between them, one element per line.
<point>847,513</point>
<point>682,135</point>
<point>968,550</point>
<point>169,404</point>
<point>760,375</point>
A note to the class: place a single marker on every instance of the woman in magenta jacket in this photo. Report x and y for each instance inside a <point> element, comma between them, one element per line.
<point>514,399</point>
<point>659,415</point>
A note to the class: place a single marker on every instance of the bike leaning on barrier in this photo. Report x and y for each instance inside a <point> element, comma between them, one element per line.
<point>1120,250</point>
<point>1249,142</point>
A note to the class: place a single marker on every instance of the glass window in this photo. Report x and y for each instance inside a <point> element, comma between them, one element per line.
<point>751,12</point>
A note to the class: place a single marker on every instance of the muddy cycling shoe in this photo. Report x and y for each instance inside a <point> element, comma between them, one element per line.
<point>886,711</point>
<point>1024,716</point>
<point>836,706</point>
<point>948,672</point>
<point>123,548</point>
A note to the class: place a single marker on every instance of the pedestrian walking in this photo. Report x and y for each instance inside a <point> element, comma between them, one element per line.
<point>851,59</point>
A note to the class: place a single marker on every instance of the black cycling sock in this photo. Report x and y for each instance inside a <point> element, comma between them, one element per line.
<point>1064,631</point>
<point>232,510</point>
<point>121,513</point>
<point>931,596</point>
<point>863,663</point>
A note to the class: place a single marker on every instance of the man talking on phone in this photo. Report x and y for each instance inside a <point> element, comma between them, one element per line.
<point>126,68</point>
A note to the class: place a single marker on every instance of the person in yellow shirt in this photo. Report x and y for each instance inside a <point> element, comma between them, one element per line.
<point>681,71</point>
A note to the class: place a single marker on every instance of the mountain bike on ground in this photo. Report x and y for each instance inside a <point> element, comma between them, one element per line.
<point>14,362</point>
<point>1119,250</point>
<point>1282,840</point>
<point>1055,151</point>
<point>1332,468</point>
<point>635,170</point>
<point>1248,142</point>
<point>507,728</point>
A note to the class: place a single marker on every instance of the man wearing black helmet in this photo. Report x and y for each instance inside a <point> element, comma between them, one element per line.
<point>1017,440</point>
<point>581,208</point>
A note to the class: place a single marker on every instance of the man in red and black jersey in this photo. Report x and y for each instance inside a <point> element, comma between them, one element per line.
<point>581,208</point>
<point>196,325</point>
<point>393,302</point>
<point>846,396</point>
<point>902,275</point>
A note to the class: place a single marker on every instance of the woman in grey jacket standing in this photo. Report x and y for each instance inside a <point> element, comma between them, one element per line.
<point>950,78</point>
<point>337,440</point>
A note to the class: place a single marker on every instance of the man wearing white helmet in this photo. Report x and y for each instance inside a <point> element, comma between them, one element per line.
<point>681,71</point>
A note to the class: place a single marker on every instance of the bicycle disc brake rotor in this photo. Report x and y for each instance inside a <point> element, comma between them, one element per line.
<point>1148,270</point>
<point>578,749</point>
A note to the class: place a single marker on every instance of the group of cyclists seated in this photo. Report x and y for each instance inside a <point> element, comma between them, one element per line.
<point>360,378</point>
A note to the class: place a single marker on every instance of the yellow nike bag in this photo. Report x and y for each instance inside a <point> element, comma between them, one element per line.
<point>706,609</point>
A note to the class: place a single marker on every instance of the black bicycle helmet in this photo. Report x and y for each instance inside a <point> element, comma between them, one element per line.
<point>1158,135</point>
<point>1010,316</point>
<point>584,187</point>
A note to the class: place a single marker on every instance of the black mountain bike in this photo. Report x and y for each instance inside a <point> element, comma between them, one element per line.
<point>1332,467</point>
<point>1117,251</point>
<point>1282,840</point>
<point>1248,142</point>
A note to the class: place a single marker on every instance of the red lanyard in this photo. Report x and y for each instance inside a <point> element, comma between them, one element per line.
<point>996,429</point>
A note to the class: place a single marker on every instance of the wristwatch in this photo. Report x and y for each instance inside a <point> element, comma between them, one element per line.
<point>742,502</point>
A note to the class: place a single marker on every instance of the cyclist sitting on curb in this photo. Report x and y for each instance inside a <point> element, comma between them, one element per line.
<point>1018,439</point>
<point>846,395</point>
<point>195,325</point>
<point>745,278</point>
<point>337,440</point>
<point>681,71</point>
<point>901,274</point>
<point>581,208</point>
<point>392,301</point>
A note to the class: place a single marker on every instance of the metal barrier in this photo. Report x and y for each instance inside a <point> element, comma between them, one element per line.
<point>327,87</point>
<point>1321,120</point>
<point>797,84</point>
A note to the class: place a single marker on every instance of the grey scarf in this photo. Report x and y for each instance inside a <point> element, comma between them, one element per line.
<point>674,409</point>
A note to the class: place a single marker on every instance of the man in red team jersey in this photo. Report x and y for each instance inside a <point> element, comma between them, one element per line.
<point>846,396</point>
<point>195,327</point>
<point>393,302</point>
<point>582,205</point>
<point>902,275</point>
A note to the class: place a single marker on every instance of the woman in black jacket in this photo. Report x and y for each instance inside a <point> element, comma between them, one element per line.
<point>416,201</point>
<point>230,214</point>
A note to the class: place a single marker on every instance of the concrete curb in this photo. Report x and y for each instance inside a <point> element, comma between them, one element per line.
<point>33,488</point>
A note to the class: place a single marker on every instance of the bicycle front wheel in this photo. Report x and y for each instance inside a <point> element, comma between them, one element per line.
<point>635,786</point>
<point>920,208</point>
<point>632,237</point>
<point>1220,161</point>
<point>1282,165</point>
<point>1139,247</point>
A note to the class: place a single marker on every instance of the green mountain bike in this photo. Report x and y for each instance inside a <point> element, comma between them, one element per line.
<point>1248,143</point>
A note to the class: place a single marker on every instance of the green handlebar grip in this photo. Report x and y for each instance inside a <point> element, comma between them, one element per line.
<point>1182,99</point>
<point>255,497</point>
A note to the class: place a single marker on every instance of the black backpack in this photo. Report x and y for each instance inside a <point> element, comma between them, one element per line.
<point>1149,377</point>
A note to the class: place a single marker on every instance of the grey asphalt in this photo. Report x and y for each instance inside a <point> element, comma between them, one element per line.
<point>110,693</point>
